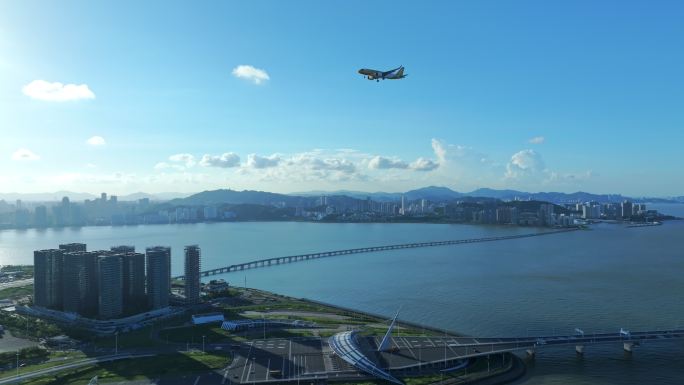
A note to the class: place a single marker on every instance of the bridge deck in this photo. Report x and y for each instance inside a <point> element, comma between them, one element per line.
<point>311,358</point>
<point>411,351</point>
<point>266,262</point>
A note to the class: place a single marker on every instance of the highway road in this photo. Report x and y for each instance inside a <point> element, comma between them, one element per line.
<point>17,283</point>
<point>72,365</point>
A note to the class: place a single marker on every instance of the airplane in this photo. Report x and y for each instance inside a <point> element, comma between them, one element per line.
<point>397,73</point>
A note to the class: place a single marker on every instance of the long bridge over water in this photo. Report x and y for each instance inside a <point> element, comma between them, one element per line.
<point>266,262</point>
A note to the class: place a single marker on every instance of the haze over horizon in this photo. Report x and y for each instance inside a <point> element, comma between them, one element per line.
<point>265,96</point>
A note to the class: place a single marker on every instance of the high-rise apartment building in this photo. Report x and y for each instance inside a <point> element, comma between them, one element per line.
<point>76,278</point>
<point>158,262</point>
<point>627,209</point>
<point>48,282</point>
<point>110,282</point>
<point>72,247</point>
<point>133,282</point>
<point>121,249</point>
<point>192,274</point>
<point>40,218</point>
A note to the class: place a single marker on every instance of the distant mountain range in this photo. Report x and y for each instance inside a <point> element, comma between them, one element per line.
<point>431,193</point>
<point>222,196</point>
<point>434,193</point>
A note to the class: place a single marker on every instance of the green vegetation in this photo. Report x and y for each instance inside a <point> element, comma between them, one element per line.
<point>174,365</point>
<point>425,380</point>
<point>16,292</point>
<point>40,362</point>
<point>193,334</point>
<point>28,354</point>
<point>23,271</point>
<point>140,338</point>
<point>33,329</point>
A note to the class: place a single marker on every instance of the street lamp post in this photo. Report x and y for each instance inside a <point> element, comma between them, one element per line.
<point>203,344</point>
<point>116,343</point>
<point>17,363</point>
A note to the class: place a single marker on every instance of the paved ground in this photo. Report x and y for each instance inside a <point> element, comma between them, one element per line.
<point>285,313</point>
<point>9,343</point>
<point>411,351</point>
<point>269,360</point>
<point>308,359</point>
<point>17,283</point>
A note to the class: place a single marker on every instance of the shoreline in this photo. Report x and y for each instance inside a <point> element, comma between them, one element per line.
<point>516,370</point>
<point>416,222</point>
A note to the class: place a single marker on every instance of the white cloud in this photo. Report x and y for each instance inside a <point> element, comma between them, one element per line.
<point>323,164</point>
<point>537,140</point>
<point>226,160</point>
<point>255,75</point>
<point>96,141</point>
<point>187,159</point>
<point>524,163</point>
<point>457,166</point>
<point>382,163</point>
<point>161,166</point>
<point>463,168</point>
<point>24,154</point>
<point>57,92</point>
<point>422,164</point>
<point>440,150</point>
<point>259,162</point>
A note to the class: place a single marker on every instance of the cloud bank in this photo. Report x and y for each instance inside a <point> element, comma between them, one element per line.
<point>225,160</point>
<point>382,163</point>
<point>57,92</point>
<point>260,162</point>
<point>460,167</point>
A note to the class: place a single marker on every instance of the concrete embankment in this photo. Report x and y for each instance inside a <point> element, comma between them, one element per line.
<point>359,313</point>
<point>515,371</point>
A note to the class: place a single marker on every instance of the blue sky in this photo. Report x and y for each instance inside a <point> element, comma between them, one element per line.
<point>532,95</point>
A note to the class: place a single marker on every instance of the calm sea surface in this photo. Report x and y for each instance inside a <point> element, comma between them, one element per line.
<point>600,279</point>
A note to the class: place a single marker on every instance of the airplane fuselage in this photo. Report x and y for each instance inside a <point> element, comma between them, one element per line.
<point>397,73</point>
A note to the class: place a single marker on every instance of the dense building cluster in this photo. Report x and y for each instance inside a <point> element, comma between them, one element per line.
<point>625,210</point>
<point>109,284</point>
<point>509,213</point>
<point>109,210</point>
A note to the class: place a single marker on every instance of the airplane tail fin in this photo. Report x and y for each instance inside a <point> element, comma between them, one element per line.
<point>400,73</point>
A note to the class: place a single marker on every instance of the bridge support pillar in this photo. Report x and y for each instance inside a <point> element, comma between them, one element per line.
<point>628,346</point>
<point>579,349</point>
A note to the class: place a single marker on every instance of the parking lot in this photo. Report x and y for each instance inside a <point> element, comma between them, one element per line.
<point>278,359</point>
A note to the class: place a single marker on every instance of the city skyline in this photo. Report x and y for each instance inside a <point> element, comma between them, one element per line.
<point>265,96</point>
